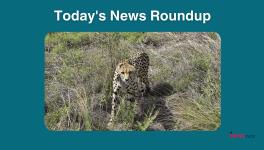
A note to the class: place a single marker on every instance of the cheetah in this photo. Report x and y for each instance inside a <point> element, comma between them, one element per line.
<point>130,78</point>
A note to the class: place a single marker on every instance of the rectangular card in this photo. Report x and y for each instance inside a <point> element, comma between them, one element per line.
<point>126,81</point>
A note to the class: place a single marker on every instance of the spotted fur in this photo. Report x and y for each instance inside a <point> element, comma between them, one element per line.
<point>130,78</point>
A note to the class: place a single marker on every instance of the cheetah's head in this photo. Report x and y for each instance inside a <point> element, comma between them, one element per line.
<point>126,71</point>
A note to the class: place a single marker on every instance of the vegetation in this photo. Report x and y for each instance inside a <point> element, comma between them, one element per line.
<point>184,75</point>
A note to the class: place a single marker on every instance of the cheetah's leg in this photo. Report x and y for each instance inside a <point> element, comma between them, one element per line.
<point>144,79</point>
<point>114,103</point>
<point>138,109</point>
<point>113,109</point>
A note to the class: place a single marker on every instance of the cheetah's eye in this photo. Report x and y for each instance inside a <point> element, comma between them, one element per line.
<point>122,72</point>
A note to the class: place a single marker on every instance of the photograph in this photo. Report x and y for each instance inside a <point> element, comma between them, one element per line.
<point>132,81</point>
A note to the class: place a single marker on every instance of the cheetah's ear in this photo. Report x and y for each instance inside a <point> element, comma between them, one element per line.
<point>129,62</point>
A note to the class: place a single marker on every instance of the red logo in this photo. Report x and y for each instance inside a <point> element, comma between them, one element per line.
<point>240,135</point>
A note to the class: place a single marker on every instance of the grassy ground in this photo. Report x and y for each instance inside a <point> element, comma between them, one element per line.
<point>184,75</point>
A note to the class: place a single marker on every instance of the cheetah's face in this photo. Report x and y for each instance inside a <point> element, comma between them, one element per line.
<point>126,71</point>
